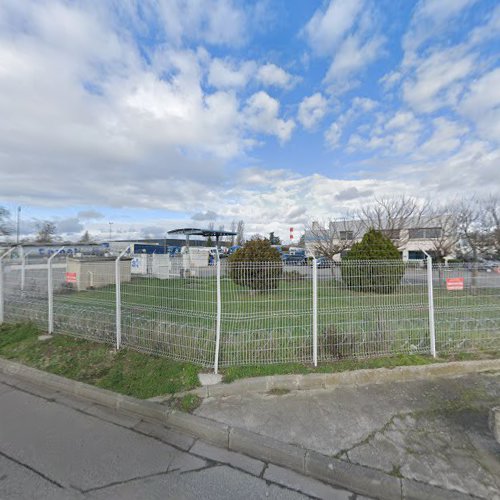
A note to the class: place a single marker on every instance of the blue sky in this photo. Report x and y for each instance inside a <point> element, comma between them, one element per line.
<point>167,113</point>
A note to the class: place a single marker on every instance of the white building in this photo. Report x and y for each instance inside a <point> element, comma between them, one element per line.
<point>412,242</point>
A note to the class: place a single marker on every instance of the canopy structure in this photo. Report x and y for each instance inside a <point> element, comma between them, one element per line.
<point>191,231</point>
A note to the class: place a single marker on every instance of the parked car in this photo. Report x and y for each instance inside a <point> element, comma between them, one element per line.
<point>294,260</point>
<point>488,265</point>
<point>323,262</point>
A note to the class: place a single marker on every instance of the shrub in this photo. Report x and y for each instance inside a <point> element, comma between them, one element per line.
<point>335,344</point>
<point>256,265</point>
<point>366,268</point>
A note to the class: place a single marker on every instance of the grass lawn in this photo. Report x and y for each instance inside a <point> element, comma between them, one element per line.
<point>177,318</point>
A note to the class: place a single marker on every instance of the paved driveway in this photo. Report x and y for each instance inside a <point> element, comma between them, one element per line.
<point>433,431</point>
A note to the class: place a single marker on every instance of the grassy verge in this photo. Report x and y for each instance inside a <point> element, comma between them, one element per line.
<point>238,372</point>
<point>144,376</point>
<point>127,372</point>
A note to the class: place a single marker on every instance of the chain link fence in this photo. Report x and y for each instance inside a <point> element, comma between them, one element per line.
<point>256,313</point>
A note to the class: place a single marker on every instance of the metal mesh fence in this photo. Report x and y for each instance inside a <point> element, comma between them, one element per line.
<point>169,309</point>
<point>26,290</point>
<point>84,297</point>
<point>175,306</point>
<point>467,307</point>
<point>372,309</point>
<point>266,314</point>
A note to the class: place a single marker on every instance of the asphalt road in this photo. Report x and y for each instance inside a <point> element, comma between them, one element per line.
<point>55,447</point>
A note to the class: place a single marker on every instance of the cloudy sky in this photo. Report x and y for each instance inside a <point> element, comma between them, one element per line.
<point>155,114</point>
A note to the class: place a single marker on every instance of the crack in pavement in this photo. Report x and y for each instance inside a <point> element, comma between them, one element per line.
<point>371,435</point>
<point>38,473</point>
<point>125,481</point>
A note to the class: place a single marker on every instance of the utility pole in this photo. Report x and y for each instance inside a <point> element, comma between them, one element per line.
<point>110,224</point>
<point>18,224</point>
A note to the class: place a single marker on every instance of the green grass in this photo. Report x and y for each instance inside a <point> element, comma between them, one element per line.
<point>144,376</point>
<point>233,373</point>
<point>177,317</point>
<point>127,372</point>
<point>187,403</point>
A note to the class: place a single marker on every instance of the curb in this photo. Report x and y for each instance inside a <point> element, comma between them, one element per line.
<point>494,422</point>
<point>339,379</point>
<point>362,480</point>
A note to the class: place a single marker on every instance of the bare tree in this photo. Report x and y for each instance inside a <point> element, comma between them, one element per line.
<point>445,239</point>
<point>492,216</point>
<point>240,236</point>
<point>332,238</point>
<point>393,216</point>
<point>86,238</point>
<point>474,228</point>
<point>211,227</point>
<point>233,230</point>
<point>46,232</point>
<point>5,222</point>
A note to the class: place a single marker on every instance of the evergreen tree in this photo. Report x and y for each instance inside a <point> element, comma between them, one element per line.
<point>373,265</point>
<point>256,265</point>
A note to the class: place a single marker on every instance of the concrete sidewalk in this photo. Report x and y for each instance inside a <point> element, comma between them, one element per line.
<point>432,431</point>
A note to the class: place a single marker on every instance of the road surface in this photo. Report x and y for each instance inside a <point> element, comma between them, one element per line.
<point>55,447</point>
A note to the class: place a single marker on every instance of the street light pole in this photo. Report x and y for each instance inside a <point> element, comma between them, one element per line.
<point>110,224</point>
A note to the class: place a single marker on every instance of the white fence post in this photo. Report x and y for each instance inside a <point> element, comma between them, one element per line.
<point>118,297</point>
<point>430,290</point>
<point>50,291</point>
<point>315,310</point>
<point>219,313</point>
<point>2,292</point>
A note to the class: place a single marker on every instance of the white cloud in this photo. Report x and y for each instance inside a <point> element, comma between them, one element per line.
<point>261,114</point>
<point>402,119</point>
<point>446,138</point>
<point>431,18</point>
<point>481,104</point>
<point>362,104</point>
<point>438,79</point>
<point>353,55</point>
<point>333,135</point>
<point>128,129</point>
<point>326,29</point>
<point>216,22</point>
<point>272,75</point>
<point>94,122</point>
<point>398,134</point>
<point>311,110</point>
<point>359,105</point>
<point>391,79</point>
<point>225,74</point>
<point>487,31</point>
<point>346,32</point>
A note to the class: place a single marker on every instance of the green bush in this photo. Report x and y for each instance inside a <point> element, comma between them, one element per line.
<point>366,268</point>
<point>256,265</point>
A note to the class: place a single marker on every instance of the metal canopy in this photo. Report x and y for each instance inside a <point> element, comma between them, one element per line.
<point>192,231</point>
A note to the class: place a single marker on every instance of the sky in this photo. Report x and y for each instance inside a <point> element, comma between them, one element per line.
<point>158,114</point>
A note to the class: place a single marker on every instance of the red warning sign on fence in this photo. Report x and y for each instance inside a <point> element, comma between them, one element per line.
<point>70,277</point>
<point>454,283</point>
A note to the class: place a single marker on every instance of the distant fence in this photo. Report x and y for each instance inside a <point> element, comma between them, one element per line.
<point>256,313</point>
